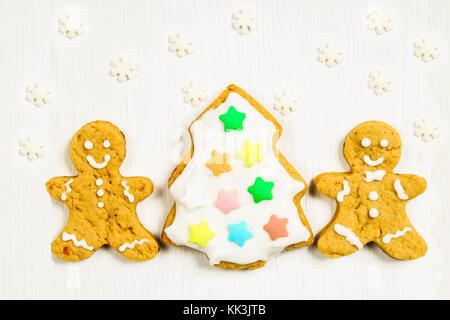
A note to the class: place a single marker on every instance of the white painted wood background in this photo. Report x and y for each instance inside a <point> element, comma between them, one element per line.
<point>281,53</point>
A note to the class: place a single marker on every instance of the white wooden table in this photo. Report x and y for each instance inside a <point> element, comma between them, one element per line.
<point>281,53</point>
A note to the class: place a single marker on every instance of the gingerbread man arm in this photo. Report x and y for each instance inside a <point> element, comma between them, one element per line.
<point>409,186</point>
<point>58,186</point>
<point>137,188</point>
<point>330,183</point>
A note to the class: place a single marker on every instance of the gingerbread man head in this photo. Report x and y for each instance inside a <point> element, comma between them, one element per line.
<point>96,146</point>
<point>372,144</point>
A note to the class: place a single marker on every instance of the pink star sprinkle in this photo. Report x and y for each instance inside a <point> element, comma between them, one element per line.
<point>227,201</point>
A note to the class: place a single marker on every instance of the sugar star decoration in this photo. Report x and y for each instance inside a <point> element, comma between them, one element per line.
<point>70,25</point>
<point>330,55</point>
<point>194,198</point>
<point>38,94</point>
<point>195,94</point>
<point>379,21</point>
<point>276,227</point>
<point>244,21</point>
<point>200,234</point>
<point>180,44</point>
<point>261,190</point>
<point>239,233</point>
<point>251,153</point>
<point>380,82</point>
<point>285,102</point>
<point>426,50</point>
<point>227,201</point>
<point>232,119</point>
<point>31,148</point>
<point>219,163</point>
<point>426,129</point>
<point>123,69</point>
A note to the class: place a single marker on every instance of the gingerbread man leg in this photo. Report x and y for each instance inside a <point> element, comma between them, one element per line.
<point>339,238</point>
<point>78,241</point>
<point>129,237</point>
<point>402,242</point>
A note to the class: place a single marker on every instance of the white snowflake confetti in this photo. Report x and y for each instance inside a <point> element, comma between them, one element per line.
<point>123,69</point>
<point>285,102</point>
<point>330,55</point>
<point>426,129</point>
<point>38,94</point>
<point>71,25</point>
<point>195,94</point>
<point>180,44</point>
<point>380,82</point>
<point>31,148</point>
<point>244,21</point>
<point>426,50</point>
<point>379,21</point>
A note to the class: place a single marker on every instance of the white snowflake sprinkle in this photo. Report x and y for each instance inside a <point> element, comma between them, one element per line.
<point>244,21</point>
<point>31,148</point>
<point>71,25</point>
<point>379,21</point>
<point>285,102</point>
<point>180,44</point>
<point>426,50</point>
<point>123,69</point>
<point>330,55</point>
<point>195,94</point>
<point>38,94</point>
<point>426,129</point>
<point>380,82</point>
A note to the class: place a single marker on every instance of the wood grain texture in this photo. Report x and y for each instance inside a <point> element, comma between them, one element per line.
<point>281,53</point>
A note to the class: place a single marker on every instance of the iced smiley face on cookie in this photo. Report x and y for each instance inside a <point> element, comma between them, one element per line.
<point>371,198</point>
<point>102,203</point>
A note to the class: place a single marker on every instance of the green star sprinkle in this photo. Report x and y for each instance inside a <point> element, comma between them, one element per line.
<point>232,119</point>
<point>261,190</point>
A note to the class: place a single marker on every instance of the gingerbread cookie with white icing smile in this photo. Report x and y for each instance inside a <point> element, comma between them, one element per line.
<point>371,198</point>
<point>102,203</point>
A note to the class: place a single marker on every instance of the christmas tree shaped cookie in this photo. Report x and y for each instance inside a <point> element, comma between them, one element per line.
<point>237,199</point>
<point>371,198</point>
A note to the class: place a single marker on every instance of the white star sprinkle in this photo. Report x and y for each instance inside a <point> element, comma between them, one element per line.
<point>180,44</point>
<point>285,102</point>
<point>123,69</point>
<point>71,25</point>
<point>426,129</point>
<point>380,82</point>
<point>195,94</point>
<point>426,50</point>
<point>330,55</point>
<point>38,94</point>
<point>379,21</point>
<point>244,21</point>
<point>31,148</point>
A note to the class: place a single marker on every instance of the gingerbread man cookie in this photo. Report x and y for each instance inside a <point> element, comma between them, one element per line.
<point>371,198</point>
<point>102,203</point>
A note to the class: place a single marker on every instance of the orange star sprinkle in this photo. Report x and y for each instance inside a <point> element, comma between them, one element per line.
<point>219,163</point>
<point>276,227</point>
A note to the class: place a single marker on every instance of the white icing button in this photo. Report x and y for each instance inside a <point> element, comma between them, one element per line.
<point>88,145</point>
<point>106,144</point>
<point>99,182</point>
<point>373,195</point>
<point>100,204</point>
<point>373,212</point>
<point>100,193</point>
<point>365,142</point>
<point>384,143</point>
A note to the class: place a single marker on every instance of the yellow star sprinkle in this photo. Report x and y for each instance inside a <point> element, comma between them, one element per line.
<point>251,153</point>
<point>200,234</point>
